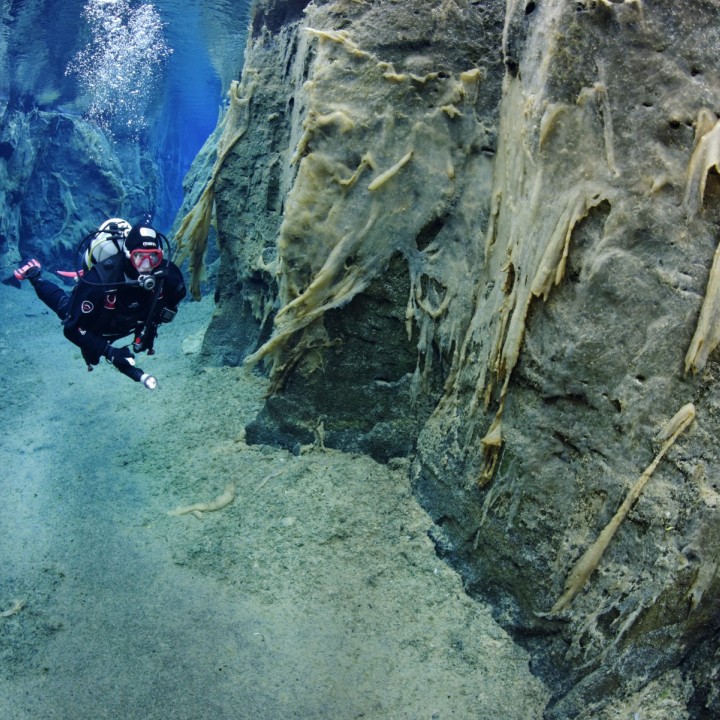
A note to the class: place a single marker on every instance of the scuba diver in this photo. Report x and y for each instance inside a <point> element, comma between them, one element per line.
<point>125,286</point>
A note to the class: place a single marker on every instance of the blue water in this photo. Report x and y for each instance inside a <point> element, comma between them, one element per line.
<point>207,38</point>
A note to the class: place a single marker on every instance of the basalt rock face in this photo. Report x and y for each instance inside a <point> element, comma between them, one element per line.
<point>331,111</point>
<point>568,372</point>
<point>484,234</point>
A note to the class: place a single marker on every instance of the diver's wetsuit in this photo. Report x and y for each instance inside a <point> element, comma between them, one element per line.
<point>103,308</point>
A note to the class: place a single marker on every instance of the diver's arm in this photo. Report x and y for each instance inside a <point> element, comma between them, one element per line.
<point>93,347</point>
<point>174,289</point>
<point>172,293</point>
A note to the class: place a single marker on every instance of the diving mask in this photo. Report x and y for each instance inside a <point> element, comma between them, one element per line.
<point>145,260</point>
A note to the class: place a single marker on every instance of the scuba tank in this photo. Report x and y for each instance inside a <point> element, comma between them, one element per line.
<point>105,242</point>
<point>108,241</point>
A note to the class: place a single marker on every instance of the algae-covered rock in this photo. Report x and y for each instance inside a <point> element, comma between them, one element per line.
<point>497,222</point>
<point>352,184</point>
<point>346,397</point>
<point>581,359</point>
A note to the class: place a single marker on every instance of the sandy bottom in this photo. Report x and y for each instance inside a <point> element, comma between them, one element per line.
<point>315,594</point>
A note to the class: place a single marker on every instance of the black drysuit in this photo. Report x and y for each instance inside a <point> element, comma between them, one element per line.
<point>105,306</point>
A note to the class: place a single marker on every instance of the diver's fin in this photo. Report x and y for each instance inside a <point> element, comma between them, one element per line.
<point>12,281</point>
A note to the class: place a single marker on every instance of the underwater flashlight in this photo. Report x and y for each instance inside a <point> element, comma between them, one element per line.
<point>148,381</point>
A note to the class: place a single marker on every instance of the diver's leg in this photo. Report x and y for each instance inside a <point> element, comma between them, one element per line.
<point>52,295</point>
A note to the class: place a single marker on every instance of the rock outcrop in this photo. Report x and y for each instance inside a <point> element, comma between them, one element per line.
<point>59,175</point>
<point>483,234</point>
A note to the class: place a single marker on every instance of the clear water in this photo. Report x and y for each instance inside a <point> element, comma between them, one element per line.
<point>207,38</point>
<point>170,101</point>
<point>120,67</point>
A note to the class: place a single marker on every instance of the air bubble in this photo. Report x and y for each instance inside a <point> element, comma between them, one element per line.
<point>118,70</point>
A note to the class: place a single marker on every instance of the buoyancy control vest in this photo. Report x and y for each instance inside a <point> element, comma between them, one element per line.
<point>121,307</point>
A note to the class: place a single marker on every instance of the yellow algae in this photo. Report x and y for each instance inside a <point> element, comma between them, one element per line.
<point>550,119</point>
<point>528,237</point>
<point>315,121</point>
<point>324,293</point>
<point>341,37</point>
<point>218,503</point>
<point>432,312</point>
<point>191,237</point>
<point>389,73</point>
<point>680,420</point>
<point>338,117</point>
<point>705,122</point>
<point>381,179</point>
<point>707,331</point>
<point>705,157</point>
<point>424,79</point>
<point>451,111</point>
<point>308,131</point>
<point>471,76</point>
<point>590,559</point>
<point>339,234</point>
<point>491,445</point>
<point>14,609</point>
<point>551,270</point>
<point>365,162</point>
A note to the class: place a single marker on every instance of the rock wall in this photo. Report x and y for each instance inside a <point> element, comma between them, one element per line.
<point>579,350</point>
<point>59,178</point>
<point>483,233</point>
<point>330,117</point>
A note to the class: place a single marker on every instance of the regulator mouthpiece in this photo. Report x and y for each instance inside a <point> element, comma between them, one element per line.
<point>148,381</point>
<point>147,282</point>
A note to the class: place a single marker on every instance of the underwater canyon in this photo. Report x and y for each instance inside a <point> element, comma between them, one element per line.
<point>476,241</point>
